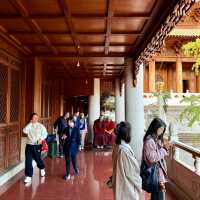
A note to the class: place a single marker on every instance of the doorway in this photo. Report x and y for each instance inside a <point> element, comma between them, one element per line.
<point>185,85</point>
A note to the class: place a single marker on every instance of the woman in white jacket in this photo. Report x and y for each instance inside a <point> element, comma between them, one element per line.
<point>126,179</point>
<point>35,132</point>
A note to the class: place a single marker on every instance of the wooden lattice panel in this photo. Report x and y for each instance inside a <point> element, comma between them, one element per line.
<point>3,92</point>
<point>2,149</point>
<point>107,87</point>
<point>13,147</point>
<point>14,98</point>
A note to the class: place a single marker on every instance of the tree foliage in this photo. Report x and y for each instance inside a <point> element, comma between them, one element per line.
<point>193,49</point>
<point>191,112</point>
<point>164,95</point>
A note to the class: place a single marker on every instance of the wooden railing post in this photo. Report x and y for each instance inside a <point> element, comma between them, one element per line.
<point>173,136</point>
<point>197,164</point>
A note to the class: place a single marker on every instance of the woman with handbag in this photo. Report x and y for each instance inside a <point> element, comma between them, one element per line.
<point>36,134</point>
<point>153,168</point>
<point>126,180</point>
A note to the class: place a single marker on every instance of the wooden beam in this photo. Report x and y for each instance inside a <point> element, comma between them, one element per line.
<point>65,9</point>
<point>13,41</point>
<point>32,23</point>
<point>103,59</point>
<point>174,58</point>
<point>74,55</point>
<point>108,26</point>
<point>74,16</point>
<point>49,33</point>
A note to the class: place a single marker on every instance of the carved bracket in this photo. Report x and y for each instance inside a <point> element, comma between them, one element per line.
<point>157,41</point>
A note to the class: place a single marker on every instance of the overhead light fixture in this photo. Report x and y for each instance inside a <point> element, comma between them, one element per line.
<point>86,81</point>
<point>78,64</point>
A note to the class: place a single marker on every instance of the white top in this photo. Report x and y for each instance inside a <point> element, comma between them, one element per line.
<point>35,132</point>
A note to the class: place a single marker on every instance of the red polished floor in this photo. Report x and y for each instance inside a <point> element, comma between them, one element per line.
<point>94,167</point>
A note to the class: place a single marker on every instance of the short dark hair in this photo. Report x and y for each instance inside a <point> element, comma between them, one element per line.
<point>31,115</point>
<point>123,132</point>
<point>70,119</point>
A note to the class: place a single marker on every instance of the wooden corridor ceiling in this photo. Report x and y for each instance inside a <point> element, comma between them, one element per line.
<point>99,34</point>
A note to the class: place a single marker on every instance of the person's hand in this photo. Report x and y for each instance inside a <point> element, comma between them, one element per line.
<point>39,141</point>
<point>167,145</point>
<point>64,137</point>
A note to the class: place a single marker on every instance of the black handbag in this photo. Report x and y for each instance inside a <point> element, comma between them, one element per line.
<point>150,177</point>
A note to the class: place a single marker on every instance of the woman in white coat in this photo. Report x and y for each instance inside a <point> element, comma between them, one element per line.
<point>126,180</point>
<point>36,133</point>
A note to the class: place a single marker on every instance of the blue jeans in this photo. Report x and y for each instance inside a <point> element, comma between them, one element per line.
<point>32,152</point>
<point>158,196</point>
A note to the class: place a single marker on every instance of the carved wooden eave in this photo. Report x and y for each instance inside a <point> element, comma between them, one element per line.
<point>157,41</point>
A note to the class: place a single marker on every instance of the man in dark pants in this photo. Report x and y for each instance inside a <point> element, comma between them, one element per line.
<point>71,136</point>
<point>61,124</point>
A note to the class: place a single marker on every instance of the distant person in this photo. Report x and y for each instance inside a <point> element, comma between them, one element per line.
<point>110,131</point>
<point>76,119</point>
<point>126,180</point>
<point>99,135</point>
<point>83,130</point>
<point>71,138</point>
<point>154,152</point>
<point>60,124</point>
<point>36,133</point>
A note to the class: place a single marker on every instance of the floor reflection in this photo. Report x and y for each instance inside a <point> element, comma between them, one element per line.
<point>94,170</point>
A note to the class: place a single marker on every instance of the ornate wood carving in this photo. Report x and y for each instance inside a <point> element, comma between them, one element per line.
<point>157,41</point>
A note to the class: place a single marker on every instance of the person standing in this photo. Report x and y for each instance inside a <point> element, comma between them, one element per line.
<point>99,135</point>
<point>76,119</point>
<point>61,124</point>
<point>83,130</point>
<point>126,180</point>
<point>36,133</point>
<point>110,131</point>
<point>154,152</point>
<point>71,138</point>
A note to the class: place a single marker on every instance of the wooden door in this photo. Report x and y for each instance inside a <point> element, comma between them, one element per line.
<point>9,117</point>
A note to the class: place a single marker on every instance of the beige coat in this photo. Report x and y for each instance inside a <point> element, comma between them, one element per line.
<point>126,179</point>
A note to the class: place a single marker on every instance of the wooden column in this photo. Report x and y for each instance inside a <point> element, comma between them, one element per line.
<point>179,75</point>
<point>198,83</point>
<point>62,105</point>
<point>152,76</point>
<point>37,86</point>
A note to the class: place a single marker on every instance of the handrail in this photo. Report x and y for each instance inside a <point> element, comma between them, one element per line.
<point>195,152</point>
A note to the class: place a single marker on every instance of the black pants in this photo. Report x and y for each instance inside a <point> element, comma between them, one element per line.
<point>71,155</point>
<point>33,152</point>
<point>61,143</point>
<point>158,196</point>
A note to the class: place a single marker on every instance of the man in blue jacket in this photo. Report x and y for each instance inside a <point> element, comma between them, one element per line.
<point>61,123</point>
<point>71,138</point>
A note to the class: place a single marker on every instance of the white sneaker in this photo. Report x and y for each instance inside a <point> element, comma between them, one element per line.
<point>67,177</point>
<point>42,172</point>
<point>27,179</point>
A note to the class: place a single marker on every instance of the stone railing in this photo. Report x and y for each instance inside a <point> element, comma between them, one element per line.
<point>174,100</point>
<point>183,168</point>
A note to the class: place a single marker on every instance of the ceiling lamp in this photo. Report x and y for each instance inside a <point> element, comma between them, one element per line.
<point>78,64</point>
